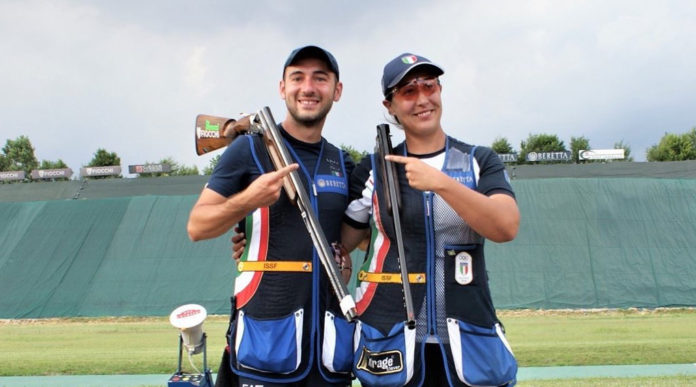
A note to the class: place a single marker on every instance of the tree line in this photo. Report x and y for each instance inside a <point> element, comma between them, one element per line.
<point>672,147</point>
<point>19,155</point>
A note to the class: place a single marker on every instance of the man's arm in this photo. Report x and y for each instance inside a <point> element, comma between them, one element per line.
<point>214,214</point>
<point>351,237</point>
<point>355,226</point>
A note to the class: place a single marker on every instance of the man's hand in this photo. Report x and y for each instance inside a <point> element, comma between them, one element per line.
<point>238,243</point>
<point>345,263</point>
<point>265,190</point>
<point>420,175</point>
<point>214,214</point>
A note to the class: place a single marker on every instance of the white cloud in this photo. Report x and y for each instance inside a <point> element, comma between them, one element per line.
<point>131,76</point>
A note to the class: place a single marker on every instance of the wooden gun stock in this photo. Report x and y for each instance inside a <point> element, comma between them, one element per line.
<point>213,132</point>
<point>217,132</point>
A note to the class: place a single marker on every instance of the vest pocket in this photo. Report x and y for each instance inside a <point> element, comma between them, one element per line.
<point>337,344</point>
<point>482,356</point>
<point>381,360</point>
<point>269,345</point>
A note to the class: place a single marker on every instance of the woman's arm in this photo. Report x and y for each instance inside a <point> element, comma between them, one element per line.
<point>495,217</point>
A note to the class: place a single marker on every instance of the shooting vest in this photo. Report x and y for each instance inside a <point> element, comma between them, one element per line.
<point>283,300</point>
<point>448,281</point>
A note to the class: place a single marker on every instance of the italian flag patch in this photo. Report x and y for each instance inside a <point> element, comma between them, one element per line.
<point>409,59</point>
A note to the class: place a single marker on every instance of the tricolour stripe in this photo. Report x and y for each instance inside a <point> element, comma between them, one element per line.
<point>379,247</point>
<point>247,282</point>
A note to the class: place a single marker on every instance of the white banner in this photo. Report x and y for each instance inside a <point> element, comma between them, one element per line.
<point>548,156</point>
<point>601,154</point>
<point>12,175</point>
<point>508,157</point>
<point>51,173</point>
<point>101,171</point>
<point>150,168</point>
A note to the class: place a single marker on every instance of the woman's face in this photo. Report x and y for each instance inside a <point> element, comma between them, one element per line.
<point>416,103</point>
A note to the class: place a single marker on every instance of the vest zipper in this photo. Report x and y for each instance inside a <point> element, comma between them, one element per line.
<point>430,262</point>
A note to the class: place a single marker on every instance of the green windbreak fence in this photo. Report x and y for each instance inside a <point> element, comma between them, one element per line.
<point>583,243</point>
<point>591,243</point>
<point>108,257</point>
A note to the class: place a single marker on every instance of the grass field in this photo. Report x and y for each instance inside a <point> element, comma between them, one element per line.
<point>79,346</point>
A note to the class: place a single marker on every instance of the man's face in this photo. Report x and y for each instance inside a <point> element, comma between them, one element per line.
<point>309,89</point>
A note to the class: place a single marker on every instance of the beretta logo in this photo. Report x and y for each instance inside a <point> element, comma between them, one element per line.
<point>380,363</point>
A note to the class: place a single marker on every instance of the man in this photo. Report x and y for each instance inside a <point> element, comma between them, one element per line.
<point>286,327</point>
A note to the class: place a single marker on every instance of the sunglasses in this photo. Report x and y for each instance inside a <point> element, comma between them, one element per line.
<point>409,91</point>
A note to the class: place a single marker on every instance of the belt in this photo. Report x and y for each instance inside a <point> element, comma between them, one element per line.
<point>300,266</point>
<point>390,278</point>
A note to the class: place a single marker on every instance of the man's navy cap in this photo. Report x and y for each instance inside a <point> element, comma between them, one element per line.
<point>397,68</point>
<point>312,52</point>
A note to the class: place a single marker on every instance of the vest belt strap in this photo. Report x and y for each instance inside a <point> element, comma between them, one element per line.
<point>298,266</point>
<point>390,278</point>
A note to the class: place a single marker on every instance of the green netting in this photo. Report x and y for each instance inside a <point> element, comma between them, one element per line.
<point>611,169</point>
<point>588,243</point>
<point>13,227</point>
<point>121,256</point>
<point>102,188</point>
<point>45,190</point>
<point>151,247</point>
<point>583,243</point>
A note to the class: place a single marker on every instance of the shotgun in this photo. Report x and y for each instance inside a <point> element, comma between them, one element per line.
<point>217,132</point>
<point>390,185</point>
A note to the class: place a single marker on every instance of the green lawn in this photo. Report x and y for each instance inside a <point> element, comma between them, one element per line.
<point>539,338</point>
<point>671,381</point>
<point>602,338</point>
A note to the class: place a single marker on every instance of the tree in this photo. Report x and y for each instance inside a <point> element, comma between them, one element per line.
<point>502,146</point>
<point>102,158</point>
<point>184,170</point>
<point>211,165</point>
<point>354,153</point>
<point>626,148</point>
<point>674,147</point>
<point>47,164</point>
<point>178,169</point>
<point>19,155</point>
<point>692,136</point>
<point>576,145</point>
<point>540,143</point>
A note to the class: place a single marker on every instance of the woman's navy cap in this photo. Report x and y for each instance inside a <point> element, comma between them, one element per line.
<point>312,52</point>
<point>397,68</point>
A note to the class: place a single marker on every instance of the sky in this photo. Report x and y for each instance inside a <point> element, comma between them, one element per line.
<point>131,76</point>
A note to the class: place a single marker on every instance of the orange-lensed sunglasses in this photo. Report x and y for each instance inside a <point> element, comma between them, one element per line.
<point>409,91</point>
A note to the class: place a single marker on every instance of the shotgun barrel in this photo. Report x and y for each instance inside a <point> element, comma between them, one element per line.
<point>390,183</point>
<point>274,142</point>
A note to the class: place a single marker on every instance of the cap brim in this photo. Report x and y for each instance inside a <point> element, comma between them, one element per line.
<point>312,52</point>
<point>438,71</point>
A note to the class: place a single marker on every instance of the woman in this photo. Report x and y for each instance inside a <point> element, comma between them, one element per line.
<point>454,196</point>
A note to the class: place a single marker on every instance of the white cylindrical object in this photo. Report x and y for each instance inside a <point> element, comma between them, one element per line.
<point>189,319</point>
